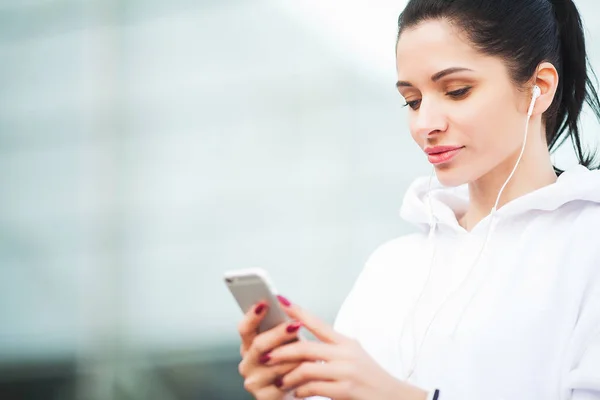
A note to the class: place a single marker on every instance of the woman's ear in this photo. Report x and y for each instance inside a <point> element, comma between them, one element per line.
<point>547,80</point>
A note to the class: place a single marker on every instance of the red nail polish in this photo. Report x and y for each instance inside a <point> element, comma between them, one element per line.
<point>259,308</point>
<point>284,301</point>
<point>265,358</point>
<point>294,327</point>
<point>278,382</point>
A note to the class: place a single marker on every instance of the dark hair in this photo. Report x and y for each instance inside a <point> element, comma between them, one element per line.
<point>526,33</point>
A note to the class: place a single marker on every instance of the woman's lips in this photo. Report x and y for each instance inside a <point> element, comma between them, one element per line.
<point>444,156</point>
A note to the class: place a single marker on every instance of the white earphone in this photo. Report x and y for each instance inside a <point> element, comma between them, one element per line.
<point>537,92</point>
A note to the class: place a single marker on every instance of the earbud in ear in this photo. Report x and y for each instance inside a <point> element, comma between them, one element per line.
<point>537,92</point>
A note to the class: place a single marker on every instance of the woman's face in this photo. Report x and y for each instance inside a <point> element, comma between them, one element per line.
<point>460,98</point>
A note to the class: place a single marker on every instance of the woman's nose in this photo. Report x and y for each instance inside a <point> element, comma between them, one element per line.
<point>428,119</point>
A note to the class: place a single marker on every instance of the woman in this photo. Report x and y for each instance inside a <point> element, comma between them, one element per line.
<point>498,296</point>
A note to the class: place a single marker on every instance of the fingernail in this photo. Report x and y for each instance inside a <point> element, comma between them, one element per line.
<point>284,301</point>
<point>265,358</point>
<point>294,327</point>
<point>278,382</point>
<point>259,308</point>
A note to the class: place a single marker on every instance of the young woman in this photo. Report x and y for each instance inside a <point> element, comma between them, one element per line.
<point>498,295</point>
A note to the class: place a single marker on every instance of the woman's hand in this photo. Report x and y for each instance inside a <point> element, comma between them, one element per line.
<point>263,381</point>
<point>337,367</point>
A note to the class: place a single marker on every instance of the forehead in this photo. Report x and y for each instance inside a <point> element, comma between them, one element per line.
<point>432,46</point>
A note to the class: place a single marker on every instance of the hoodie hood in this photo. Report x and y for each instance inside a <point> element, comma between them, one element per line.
<point>575,184</point>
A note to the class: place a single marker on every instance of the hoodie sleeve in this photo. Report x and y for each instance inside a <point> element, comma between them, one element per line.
<point>377,266</point>
<point>582,380</point>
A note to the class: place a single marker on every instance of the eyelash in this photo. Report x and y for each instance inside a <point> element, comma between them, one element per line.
<point>455,94</point>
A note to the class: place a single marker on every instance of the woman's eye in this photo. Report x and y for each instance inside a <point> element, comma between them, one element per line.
<point>457,94</point>
<point>414,104</point>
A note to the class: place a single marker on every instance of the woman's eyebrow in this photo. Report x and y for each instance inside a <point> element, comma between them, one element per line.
<point>435,77</point>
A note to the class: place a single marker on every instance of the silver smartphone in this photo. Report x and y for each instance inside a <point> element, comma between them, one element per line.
<point>251,286</point>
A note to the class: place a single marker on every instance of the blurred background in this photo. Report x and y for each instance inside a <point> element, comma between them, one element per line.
<point>147,146</point>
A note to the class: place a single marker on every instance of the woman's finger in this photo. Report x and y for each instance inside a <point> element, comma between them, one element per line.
<point>329,389</point>
<point>313,371</point>
<point>304,350</point>
<point>248,326</point>
<point>271,339</point>
<point>262,377</point>
<point>320,329</point>
<point>270,393</point>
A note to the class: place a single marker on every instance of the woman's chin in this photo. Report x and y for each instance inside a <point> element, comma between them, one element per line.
<point>450,177</point>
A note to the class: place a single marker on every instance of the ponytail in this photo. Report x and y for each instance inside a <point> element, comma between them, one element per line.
<point>574,87</point>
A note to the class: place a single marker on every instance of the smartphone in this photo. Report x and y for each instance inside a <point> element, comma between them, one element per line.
<point>251,286</point>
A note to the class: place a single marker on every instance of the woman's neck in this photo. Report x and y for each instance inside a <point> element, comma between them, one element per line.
<point>534,172</point>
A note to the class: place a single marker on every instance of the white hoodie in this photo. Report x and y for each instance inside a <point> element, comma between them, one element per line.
<point>526,321</point>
